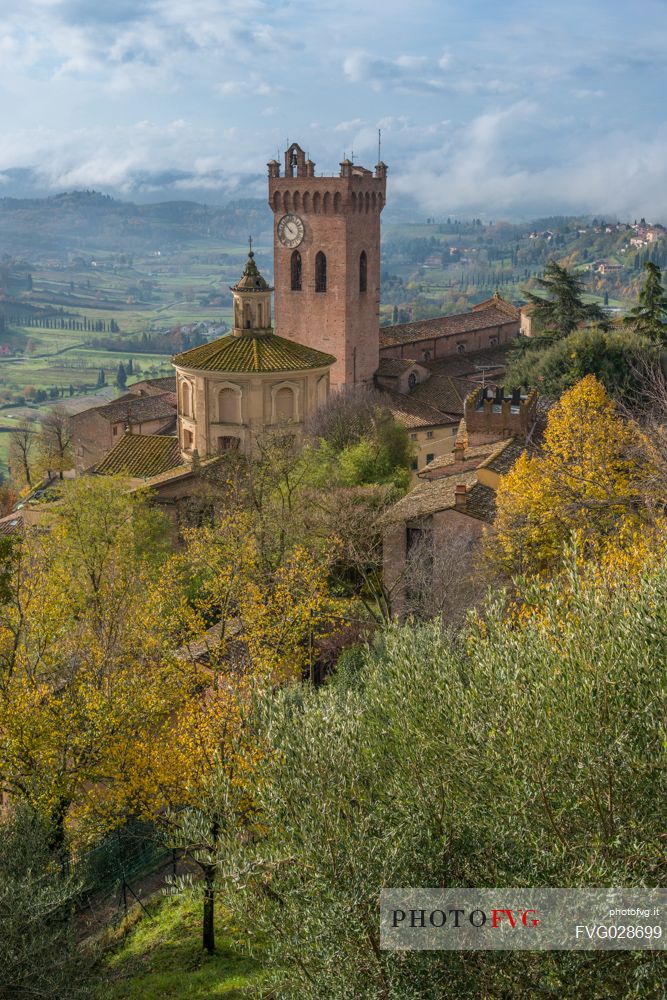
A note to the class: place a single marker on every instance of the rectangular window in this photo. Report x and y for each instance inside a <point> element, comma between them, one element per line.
<point>429,434</point>
<point>429,458</point>
<point>115,429</point>
<point>413,437</point>
<point>413,465</point>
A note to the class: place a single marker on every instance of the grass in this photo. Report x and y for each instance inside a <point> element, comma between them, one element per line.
<point>162,958</point>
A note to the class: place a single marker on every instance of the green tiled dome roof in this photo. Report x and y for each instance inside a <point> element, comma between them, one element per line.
<point>246,353</point>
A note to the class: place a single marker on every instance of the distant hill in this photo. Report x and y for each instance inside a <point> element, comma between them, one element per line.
<point>90,221</point>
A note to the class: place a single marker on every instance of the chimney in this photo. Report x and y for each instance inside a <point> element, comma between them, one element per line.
<point>459,450</point>
<point>460,496</point>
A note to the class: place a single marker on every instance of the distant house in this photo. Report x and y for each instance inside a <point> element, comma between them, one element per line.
<point>607,267</point>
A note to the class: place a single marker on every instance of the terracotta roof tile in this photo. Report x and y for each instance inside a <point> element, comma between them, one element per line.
<point>480,454</point>
<point>138,409</point>
<point>247,353</point>
<point>481,503</point>
<point>462,365</point>
<point>447,326</point>
<point>430,496</point>
<point>413,412</point>
<point>503,460</point>
<point>389,367</point>
<point>141,456</point>
<point>443,392</point>
<point>153,386</point>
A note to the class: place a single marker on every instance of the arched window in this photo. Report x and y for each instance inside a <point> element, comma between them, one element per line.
<point>296,271</point>
<point>320,272</point>
<point>186,399</point>
<point>363,271</point>
<point>228,443</point>
<point>229,410</point>
<point>285,404</point>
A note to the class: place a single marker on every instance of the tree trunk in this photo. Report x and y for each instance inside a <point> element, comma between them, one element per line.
<point>209,917</point>
<point>57,832</point>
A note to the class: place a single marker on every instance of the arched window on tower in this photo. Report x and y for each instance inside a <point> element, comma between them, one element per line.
<point>296,271</point>
<point>363,271</point>
<point>320,272</point>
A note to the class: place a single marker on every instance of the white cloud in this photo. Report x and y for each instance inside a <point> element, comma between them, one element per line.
<point>355,123</point>
<point>480,169</point>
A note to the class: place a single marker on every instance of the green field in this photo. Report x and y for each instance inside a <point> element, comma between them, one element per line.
<point>161,958</point>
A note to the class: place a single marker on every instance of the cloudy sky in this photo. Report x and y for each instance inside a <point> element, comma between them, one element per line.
<point>494,109</point>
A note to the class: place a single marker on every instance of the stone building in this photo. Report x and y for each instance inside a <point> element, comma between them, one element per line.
<point>250,381</point>
<point>327,260</point>
<point>146,408</point>
<point>489,324</point>
<point>433,532</point>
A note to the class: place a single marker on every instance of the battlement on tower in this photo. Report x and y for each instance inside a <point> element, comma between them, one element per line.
<point>355,190</point>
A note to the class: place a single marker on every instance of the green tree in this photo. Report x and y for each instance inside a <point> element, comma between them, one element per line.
<point>38,953</point>
<point>562,308</point>
<point>527,752</point>
<point>650,315</point>
<point>56,441</point>
<point>121,376</point>
<point>22,452</point>
<point>614,356</point>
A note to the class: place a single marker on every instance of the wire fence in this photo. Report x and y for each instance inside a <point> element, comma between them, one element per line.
<point>125,869</point>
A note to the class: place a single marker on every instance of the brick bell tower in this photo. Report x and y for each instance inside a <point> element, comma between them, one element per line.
<point>326,245</point>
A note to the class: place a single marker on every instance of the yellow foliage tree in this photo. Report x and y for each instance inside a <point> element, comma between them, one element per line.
<point>590,480</point>
<point>86,669</point>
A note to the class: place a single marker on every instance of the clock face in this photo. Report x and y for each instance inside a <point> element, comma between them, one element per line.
<point>290,231</point>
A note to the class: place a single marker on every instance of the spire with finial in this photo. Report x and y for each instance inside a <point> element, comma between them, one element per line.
<point>252,300</point>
